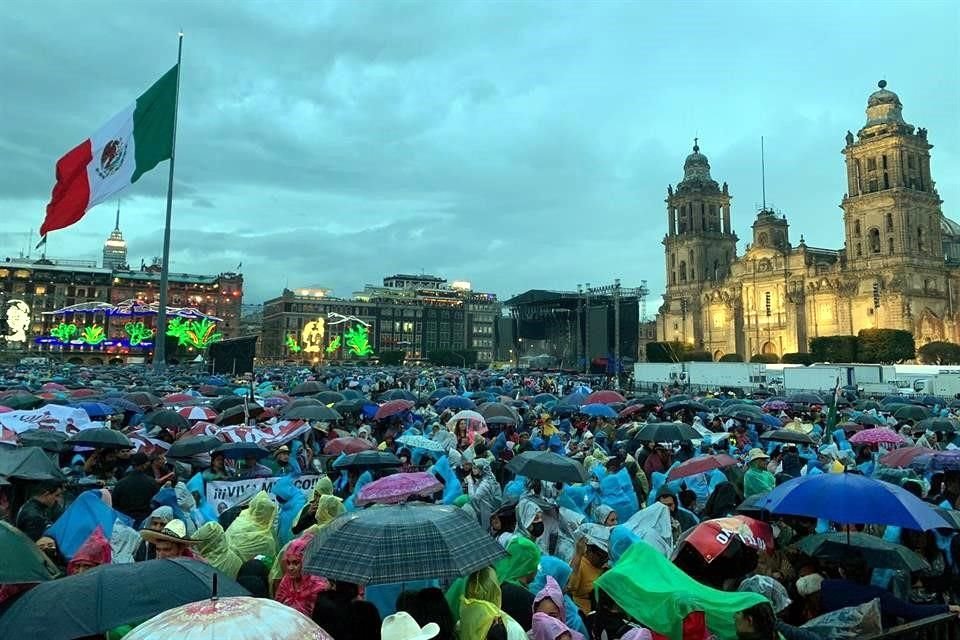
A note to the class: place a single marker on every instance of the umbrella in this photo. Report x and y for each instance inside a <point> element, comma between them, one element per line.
<point>775,405</point>
<point>368,460</point>
<point>667,432</point>
<point>472,418</point>
<point>938,461</point>
<point>877,435</point>
<point>143,399</point>
<point>946,425</point>
<point>122,404</point>
<point>52,441</point>
<point>237,415</point>
<point>401,543</point>
<point>346,445</point>
<point>631,410</point>
<point>198,413</point>
<point>700,464</point>
<point>169,419</point>
<point>546,465</point>
<point>439,393</point>
<point>787,435</point>
<point>903,457</point>
<point>23,401</point>
<point>398,394</point>
<point>712,537</point>
<point>240,450</point>
<point>574,399</point>
<point>237,618</point>
<point>329,397</point>
<point>911,412</point>
<point>685,405</point>
<point>227,402</point>
<point>868,419</point>
<point>192,446</point>
<point>354,405</point>
<point>542,398</point>
<point>805,398</point>
<point>317,413</point>
<point>455,402</point>
<point>96,409</point>
<point>598,411</point>
<point>392,408</point>
<point>604,397</point>
<point>421,442</point>
<point>28,463</point>
<point>877,552</point>
<point>852,499</point>
<point>100,438</point>
<point>308,388</point>
<point>499,413</point>
<point>23,562</point>
<point>952,516</point>
<point>179,399</point>
<point>399,487</point>
<point>81,608</point>
<point>752,505</point>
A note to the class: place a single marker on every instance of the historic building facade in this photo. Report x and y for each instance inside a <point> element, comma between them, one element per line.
<point>899,268</point>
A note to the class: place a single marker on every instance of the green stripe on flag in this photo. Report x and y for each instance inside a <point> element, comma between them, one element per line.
<point>153,121</point>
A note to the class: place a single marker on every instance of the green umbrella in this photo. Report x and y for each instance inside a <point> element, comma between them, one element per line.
<point>23,562</point>
<point>911,412</point>
<point>22,401</point>
<point>877,552</point>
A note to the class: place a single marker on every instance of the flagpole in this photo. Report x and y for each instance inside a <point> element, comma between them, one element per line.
<point>160,336</point>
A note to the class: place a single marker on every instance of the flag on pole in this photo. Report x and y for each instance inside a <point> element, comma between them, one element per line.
<point>131,143</point>
<point>832,415</point>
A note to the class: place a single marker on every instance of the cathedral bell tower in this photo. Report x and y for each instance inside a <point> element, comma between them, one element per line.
<point>699,247</point>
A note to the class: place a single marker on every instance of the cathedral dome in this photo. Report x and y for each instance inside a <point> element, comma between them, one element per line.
<point>949,227</point>
<point>884,107</point>
<point>696,166</point>
<point>883,96</point>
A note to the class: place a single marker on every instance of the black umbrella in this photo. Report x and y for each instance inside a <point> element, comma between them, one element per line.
<point>195,445</point>
<point>397,394</point>
<point>307,412</point>
<point>877,552</point>
<point>329,397</point>
<point>144,399</point>
<point>308,388</point>
<point>368,460</point>
<point>350,406</point>
<point>89,603</point>
<point>100,438</point>
<point>946,425</point>
<point>667,432</point>
<point>547,465</point>
<point>166,418</point>
<point>805,398</point>
<point>52,441</point>
<point>226,402</point>
<point>499,410</point>
<point>787,435</point>
<point>688,405</point>
<point>23,562</point>
<point>240,450</point>
<point>237,415</point>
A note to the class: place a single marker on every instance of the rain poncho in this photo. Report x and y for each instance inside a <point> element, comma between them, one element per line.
<point>80,520</point>
<point>656,593</point>
<point>769,588</point>
<point>93,552</point>
<point>123,543</point>
<point>553,591</point>
<point>215,549</point>
<point>365,478</point>
<point>477,616</point>
<point>451,483</point>
<point>300,592</point>
<point>548,628</point>
<point>560,571</point>
<point>653,526</point>
<point>757,481</point>
<point>292,501</point>
<point>522,559</point>
<point>251,534</point>
<point>486,496</point>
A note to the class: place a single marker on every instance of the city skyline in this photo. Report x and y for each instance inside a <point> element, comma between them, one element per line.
<point>481,142</point>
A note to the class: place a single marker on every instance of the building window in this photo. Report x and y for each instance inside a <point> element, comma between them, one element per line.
<point>856,228</point>
<point>890,245</point>
<point>884,161</point>
<point>919,238</point>
<point>910,161</point>
<point>683,271</point>
<point>859,250</point>
<point>874,240</point>
<point>873,186</point>
<point>889,222</point>
<point>871,164</point>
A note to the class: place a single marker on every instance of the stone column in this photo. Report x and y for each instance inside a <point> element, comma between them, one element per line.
<point>726,218</point>
<point>672,220</point>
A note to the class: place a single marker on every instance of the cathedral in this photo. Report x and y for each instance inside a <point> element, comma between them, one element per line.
<point>899,267</point>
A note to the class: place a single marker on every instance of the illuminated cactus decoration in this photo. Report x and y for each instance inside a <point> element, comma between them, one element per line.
<point>358,341</point>
<point>93,334</point>
<point>292,344</point>
<point>137,333</point>
<point>202,333</point>
<point>334,344</point>
<point>177,328</point>
<point>64,332</point>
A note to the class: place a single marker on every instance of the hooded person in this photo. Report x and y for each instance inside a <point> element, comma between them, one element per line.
<point>485,493</point>
<point>307,515</point>
<point>605,515</point>
<point>530,522</point>
<point>478,617</point>
<point>757,479</point>
<point>171,541</point>
<point>213,546</point>
<point>92,553</point>
<point>297,589</point>
<point>722,502</point>
<point>156,521</point>
<point>551,601</point>
<point>545,627</point>
<point>251,534</point>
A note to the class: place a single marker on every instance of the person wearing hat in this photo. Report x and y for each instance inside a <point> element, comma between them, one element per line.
<point>402,626</point>
<point>757,479</point>
<point>171,541</point>
<point>279,464</point>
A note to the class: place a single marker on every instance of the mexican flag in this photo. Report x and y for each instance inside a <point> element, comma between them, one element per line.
<point>131,143</point>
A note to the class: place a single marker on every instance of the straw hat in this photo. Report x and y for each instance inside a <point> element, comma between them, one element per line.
<point>755,454</point>
<point>174,531</point>
<point>402,626</point>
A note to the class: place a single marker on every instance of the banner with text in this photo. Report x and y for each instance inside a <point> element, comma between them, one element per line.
<point>223,494</point>
<point>51,417</point>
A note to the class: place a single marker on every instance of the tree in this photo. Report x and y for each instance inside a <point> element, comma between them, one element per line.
<point>885,345</point>
<point>834,349</point>
<point>666,351</point>
<point>392,358</point>
<point>696,356</point>
<point>731,357</point>
<point>453,358</point>
<point>939,353</point>
<point>765,358</point>
<point>798,358</point>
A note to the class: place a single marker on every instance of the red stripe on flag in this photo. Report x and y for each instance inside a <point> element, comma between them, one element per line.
<point>71,193</point>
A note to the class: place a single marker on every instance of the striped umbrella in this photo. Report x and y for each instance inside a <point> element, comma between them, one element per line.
<point>401,543</point>
<point>198,413</point>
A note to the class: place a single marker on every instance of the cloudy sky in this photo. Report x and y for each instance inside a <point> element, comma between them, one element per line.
<point>514,144</point>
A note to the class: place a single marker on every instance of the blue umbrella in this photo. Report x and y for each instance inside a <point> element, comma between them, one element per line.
<point>575,399</point>
<point>772,421</point>
<point>598,411</point>
<point>440,393</point>
<point>98,409</point>
<point>850,498</point>
<point>455,402</point>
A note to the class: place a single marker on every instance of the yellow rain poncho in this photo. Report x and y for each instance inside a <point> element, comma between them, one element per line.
<point>216,550</point>
<point>477,616</point>
<point>328,508</point>
<point>252,533</point>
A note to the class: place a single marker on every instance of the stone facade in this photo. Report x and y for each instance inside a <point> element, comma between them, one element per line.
<point>899,268</point>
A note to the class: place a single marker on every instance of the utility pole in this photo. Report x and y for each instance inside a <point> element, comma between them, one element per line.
<point>616,331</point>
<point>579,326</point>
<point>586,329</point>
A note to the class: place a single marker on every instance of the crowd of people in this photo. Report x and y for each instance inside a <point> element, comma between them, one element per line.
<point>618,516</point>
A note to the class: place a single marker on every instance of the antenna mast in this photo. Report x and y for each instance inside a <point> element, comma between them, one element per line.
<point>763,175</point>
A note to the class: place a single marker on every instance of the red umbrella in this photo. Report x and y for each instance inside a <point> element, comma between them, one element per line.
<point>903,457</point>
<point>712,537</point>
<point>346,445</point>
<point>5,409</point>
<point>631,410</point>
<point>396,488</point>
<point>84,393</point>
<point>179,398</point>
<point>604,397</point>
<point>53,386</point>
<point>701,464</point>
<point>392,408</point>
<point>198,413</point>
<point>877,435</point>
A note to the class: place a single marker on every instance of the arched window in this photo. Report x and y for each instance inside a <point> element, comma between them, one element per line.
<point>762,239</point>
<point>874,240</point>
<point>683,271</point>
<point>889,222</point>
<point>890,245</point>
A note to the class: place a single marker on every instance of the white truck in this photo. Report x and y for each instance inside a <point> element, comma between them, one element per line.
<point>816,378</point>
<point>942,385</point>
<point>646,374</point>
<point>738,375</point>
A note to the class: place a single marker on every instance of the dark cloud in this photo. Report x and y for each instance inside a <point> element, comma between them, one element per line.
<point>517,145</point>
